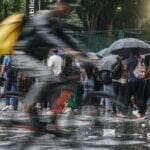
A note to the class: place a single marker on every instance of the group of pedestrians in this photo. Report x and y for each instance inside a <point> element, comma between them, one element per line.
<point>128,80</point>
<point>9,74</point>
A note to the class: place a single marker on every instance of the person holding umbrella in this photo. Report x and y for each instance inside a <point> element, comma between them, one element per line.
<point>132,48</point>
<point>136,83</point>
<point>119,81</point>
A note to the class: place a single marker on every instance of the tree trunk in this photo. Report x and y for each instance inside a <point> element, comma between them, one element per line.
<point>110,27</point>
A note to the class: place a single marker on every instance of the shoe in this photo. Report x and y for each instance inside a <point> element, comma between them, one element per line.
<point>120,115</point>
<point>49,113</point>
<point>67,110</point>
<point>136,113</point>
<point>5,108</point>
<point>142,117</point>
<point>38,106</point>
<point>11,108</point>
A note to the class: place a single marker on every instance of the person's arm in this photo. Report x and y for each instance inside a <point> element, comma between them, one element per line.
<point>50,63</point>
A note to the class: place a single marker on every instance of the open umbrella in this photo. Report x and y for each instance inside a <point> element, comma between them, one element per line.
<point>92,56</point>
<point>106,62</point>
<point>104,52</point>
<point>10,30</point>
<point>88,57</point>
<point>123,47</point>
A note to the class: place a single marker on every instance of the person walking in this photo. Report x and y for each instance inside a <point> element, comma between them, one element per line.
<point>108,88</point>
<point>88,83</point>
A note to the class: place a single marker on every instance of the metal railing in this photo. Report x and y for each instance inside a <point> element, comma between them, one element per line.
<point>98,40</point>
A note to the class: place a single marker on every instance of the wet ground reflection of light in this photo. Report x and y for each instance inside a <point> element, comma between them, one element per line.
<point>87,132</point>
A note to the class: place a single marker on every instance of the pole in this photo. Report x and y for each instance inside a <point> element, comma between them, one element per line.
<point>31,7</point>
<point>39,4</point>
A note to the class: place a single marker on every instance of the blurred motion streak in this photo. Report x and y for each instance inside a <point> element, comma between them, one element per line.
<point>10,30</point>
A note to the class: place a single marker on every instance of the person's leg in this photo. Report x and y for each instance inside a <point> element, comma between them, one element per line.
<point>116,93</point>
<point>79,95</point>
<point>8,88</point>
<point>108,102</point>
<point>116,88</point>
<point>122,98</point>
<point>129,93</point>
<point>139,96</point>
<point>14,101</point>
<point>146,93</point>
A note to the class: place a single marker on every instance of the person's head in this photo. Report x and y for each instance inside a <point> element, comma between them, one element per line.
<point>68,60</point>
<point>89,69</point>
<point>134,52</point>
<point>119,58</point>
<point>67,64</point>
<point>53,51</point>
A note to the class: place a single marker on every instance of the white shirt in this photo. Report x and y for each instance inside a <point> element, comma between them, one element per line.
<point>55,62</point>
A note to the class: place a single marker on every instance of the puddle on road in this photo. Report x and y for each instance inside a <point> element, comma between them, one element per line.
<point>88,132</point>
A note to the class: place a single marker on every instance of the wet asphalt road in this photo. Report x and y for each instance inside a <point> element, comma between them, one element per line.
<point>91,129</point>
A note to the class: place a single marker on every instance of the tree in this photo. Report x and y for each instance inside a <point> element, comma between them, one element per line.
<point>146,30</point>
<point>74,20</point>
<point>9,7</point>
<point>111,14</point>
<point>97,14</point>
<point>130,14</point>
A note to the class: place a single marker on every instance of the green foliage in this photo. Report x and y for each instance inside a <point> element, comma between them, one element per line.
<point>9,7</point>
<point>130,14</point>
<point>146,31</point>
<point>95,14</point>
<point>73,19</point>
<point>111,14</point>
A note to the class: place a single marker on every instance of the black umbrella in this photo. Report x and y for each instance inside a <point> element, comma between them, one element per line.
<point>106,62</point>
<point>123,47</point>
<point>104,52</point>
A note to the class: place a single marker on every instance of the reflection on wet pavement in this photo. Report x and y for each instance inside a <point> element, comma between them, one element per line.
<point>86,132</point>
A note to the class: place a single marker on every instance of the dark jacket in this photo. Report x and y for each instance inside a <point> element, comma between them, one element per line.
<point>132,62</point>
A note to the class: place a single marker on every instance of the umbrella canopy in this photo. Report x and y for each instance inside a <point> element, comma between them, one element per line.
<point>123,47</point>
<point>86,57</point>
<point>92,56</point>
<point>104,52</point>
<point>106,62</point>
<point>10,30</point>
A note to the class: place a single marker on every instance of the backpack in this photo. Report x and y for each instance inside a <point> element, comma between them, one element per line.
<point>116,70</point>
<point>106,77</point>
<point>140,70</point>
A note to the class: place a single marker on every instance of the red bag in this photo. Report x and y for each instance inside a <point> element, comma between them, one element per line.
<point>61,101</point>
